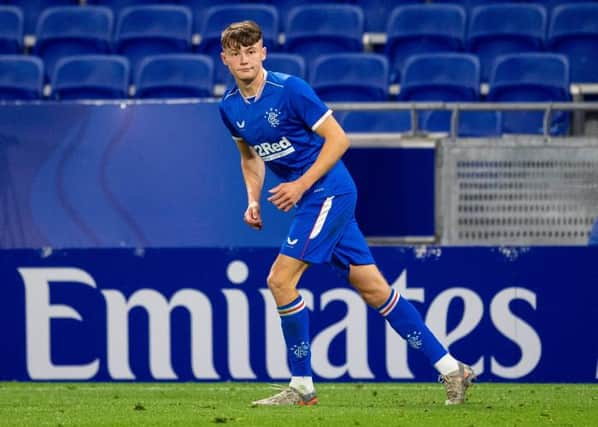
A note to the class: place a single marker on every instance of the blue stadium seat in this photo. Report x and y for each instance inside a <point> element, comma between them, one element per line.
<point>91,77</point>
<point>573,32</point>
<point>175,76</point>
<point>32,9</point>
<point>551,4</point>
<point>420,29</point>
<point>204,4</point>
<point>21,77</point>
<point>285,6</point>
<point>375,121</point>
<point>11,30</point>
<point>500,29</point>
<point>532,77</point>
<point>153,30</point>
<point>72,30</point>
<point>376,12</point>
<point>448,77</point>
<point>548,4</point>
<point>314,30</point>
<point>287,63</point>
<point>118,5</point>
<point>350,77</point>
<point>474,124</point>
<point>468,4</point>
<point>199,7</point>
<point>217,18</point>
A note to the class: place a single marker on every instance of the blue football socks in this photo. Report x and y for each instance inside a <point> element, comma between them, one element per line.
<point>406,320</point>
<point>294,319</point>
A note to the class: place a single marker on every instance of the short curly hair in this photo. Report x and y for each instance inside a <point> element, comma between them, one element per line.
<point>237,34</point>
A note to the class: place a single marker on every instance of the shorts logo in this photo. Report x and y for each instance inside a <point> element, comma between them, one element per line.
<point>241,124</point>
<point>272,117</point>
<point>292,242</point>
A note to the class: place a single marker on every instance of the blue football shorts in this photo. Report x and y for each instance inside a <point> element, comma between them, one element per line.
<point>324,230</point>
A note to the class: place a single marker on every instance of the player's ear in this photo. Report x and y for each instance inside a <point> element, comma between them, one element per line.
<point>264,53</point>
<point>223,58</point>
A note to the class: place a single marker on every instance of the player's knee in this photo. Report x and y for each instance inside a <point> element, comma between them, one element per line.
<point>374,293</point>
<point>276,282</point>
<point>374,297</point>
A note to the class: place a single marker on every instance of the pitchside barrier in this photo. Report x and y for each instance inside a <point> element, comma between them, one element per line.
<point>514,313</point>
<point>124,256</point>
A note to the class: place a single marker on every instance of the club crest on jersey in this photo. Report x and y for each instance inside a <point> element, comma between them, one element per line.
<point>272,117</point>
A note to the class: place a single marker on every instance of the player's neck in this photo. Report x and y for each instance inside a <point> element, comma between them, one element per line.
<point>254,88</point>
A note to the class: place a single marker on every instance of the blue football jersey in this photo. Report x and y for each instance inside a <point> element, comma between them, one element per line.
<point>280,125</point>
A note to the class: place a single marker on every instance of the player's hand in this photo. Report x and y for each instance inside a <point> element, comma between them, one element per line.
<point>253,216</point>
<point>286,195</point>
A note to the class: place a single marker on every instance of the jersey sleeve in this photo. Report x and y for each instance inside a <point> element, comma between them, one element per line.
<point>229,126</point>
<point>306,104</point>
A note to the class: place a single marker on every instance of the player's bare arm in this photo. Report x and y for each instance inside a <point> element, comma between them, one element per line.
<point>253,169</point>
<point>285,195</point>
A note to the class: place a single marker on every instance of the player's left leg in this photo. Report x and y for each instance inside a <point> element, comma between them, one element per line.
<point>363,274</point>
<point>408,323</point>
<point>401,315</point>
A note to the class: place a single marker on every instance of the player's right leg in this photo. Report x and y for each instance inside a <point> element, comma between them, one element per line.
<point>294,319</point>
<point>318,225</point>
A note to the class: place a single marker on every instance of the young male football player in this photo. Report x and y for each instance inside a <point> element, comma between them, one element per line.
<point>278,120</point>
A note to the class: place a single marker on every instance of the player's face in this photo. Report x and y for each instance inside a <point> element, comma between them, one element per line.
<point>245,62</point>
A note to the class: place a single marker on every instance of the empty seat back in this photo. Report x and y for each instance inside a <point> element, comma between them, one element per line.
<point>287,63</point>
<point>314,30</point>
<point>91,77</point>
<point>448,77</point>
<point>175,76</point>
<point>118,5</point>
<point>32,9</point>
<point>419,29</point>
<point>72,30</point>
<point>573,32</point>
<point>350,77</point>
<point>539,77</point>
<point>500,29</point>
<point>376,12</point>
<point>11,30</point>
<point>21,77</point>
<point>151,30</point>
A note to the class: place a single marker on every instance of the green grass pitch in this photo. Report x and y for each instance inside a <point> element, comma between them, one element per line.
<point>348,404</point>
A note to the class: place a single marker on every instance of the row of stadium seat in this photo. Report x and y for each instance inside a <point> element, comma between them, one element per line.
<point>312,31</point>
<point>375,11</point>
<point>446,77</point>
